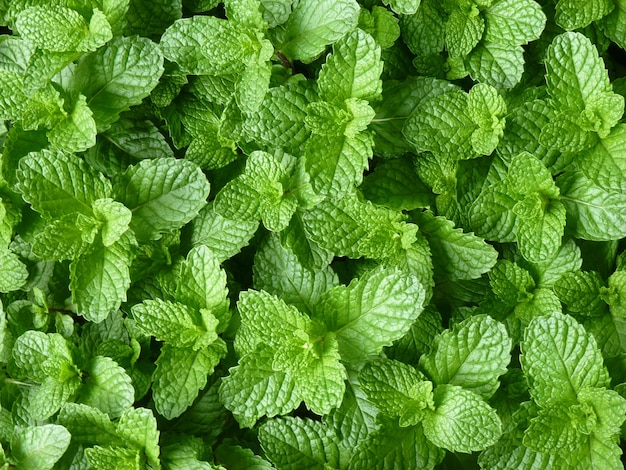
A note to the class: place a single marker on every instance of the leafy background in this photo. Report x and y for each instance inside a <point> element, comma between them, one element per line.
<point>304,234</point>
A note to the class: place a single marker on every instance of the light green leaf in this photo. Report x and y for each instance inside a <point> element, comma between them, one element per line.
<point>138,427</point>
<point>59,29</point>
<point>498,64</point>
<point>150,17</point>
<point>397,390</point>
<point>139,139</point>
<point>574,72</point>
<point>77,132</point>
<point>225,237</point>
<point>175,323</point>
<point>65,238</point>
<point>39,355</point>
<point>266,319</point>
<point>352,70</point>
<point>381,24</point>
<point>56,184</point>
<point>559,358</point>
<point>616,297</point>
<point>278,271</point>
<point>491,214</point>
<point>593,213</point>
<point>99,278</point>
<point>403,7</point>
<point>565,134</point>
<point>473,355</point>
<point>462,421</point>
<point>107,387</point>
<point>163,194</point>
<point>39,447</point>
<point>254,389</point>
<point>113,458</point>
<point>240,458</point>
<point>596,452</point>
<point>442,125</point>
<point>391,447</point>
<point>372,311</point>
<point>45,400</point>
<point>456,254</point>
<point>604,410</point>
<point>118,76</point>
<point>580,292</point>
<point>539,238</point>
<point>576,14</point>
<point>14,273</point>
<point>114,218</point>
<point>515,22</point>
<point>614,24</point>
<point>605,163</point>
<point>296,443</point>
<point>88,425</point>
<point>336,163</point>
<point>542,301</point>
<point>313,25</point>
<point>202,284</point>
<point>464,28</point>
<point>180,374</point>
<point>206,45</point>
<point>553,431</point>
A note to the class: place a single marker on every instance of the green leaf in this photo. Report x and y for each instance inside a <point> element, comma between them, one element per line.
<point>77,132</point>
<point>151,17</point>
<point>372,311</point>
<point>593,213</point>
<point>442,126</point>
<point>559,358</point>
<point>225,237</point>
<point>464,28</point>
<point>553,431</point>
<point>576,14</point>
<point>498,64</point>
<point>206,45</point>
<point>313,25</point>
<point>56,184</point>
<point>39,447</point>
<point>514,22</point>
<point>117,76</point>
<point>473,355</point>
<point>397,390</point>
<point>163,194</point>
<point>456,254</point>
<point>254,389</point>
<point>138,427</point>
<point>403,7</point>
<point>202,284</point>
<point>180,374</point>
<point>605,162</point>
<point>352,70</point>
<point>59,29</point>
<point>88,425</point>
<point>175,323</point>
<point>113,458</point>
<point>14,273</point>
<point>100,278</point>
<point>462,421</point>
<point>575,74</point>
<point>107,387</point>
<point>580,292</point>
<point>616,297</point>
<point>114,217</point>
<point>392,446</point>
<point>295,443</point>
<point>613,25</point>
<point>140,139</point>
<point>278,271</point>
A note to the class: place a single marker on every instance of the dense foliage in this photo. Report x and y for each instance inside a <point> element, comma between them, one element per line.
<point>312,234</point>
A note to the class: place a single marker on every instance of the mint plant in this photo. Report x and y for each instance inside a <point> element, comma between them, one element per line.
<point>312,234</point>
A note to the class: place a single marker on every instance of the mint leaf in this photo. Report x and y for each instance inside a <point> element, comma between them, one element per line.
<point>107,387</point>
<point>593,213</point>
<point>462,421</point>
<point>573,14</point>
<point>291,443</point>
<point>101,277</point>
<point>138,427</point>
<point>481,354</point>
<point>352,70</point>
<point>513,22</point>
<point>605,162</point>
<point>498,64</point>
<point>163,195</point>
<point>371,312</point>
<point>560,358</point>
<point>117,76</point>
<point>39,447</point>
<point>13,274</point>
<point>313,25</point>
<point>458,255</point>
<point>180,374</point>
<point>56,184</point>
<point>580,292</point>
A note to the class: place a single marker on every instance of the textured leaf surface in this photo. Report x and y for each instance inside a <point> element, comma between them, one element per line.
<point>294,443</point>
<point>39,447</point>
<point>107,387</point>
<point>473,355</point>
<point>560,358</point>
